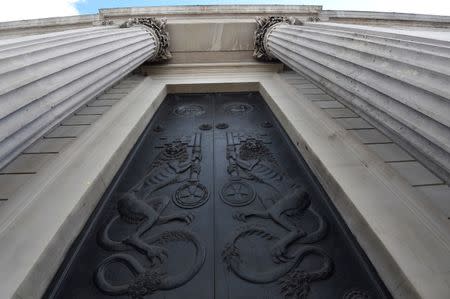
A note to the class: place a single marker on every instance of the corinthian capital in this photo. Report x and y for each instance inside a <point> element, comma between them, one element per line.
<point>264,26</point>
<point>158,30</point>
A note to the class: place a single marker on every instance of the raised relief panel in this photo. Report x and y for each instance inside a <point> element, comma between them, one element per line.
<point>177,162</point>
<point>214,202</point>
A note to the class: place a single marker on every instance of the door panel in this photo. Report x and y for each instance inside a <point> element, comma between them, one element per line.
<point>214,202</point>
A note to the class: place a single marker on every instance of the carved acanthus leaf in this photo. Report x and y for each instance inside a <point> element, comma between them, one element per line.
<point>263,24</point>
<point>158,27</point>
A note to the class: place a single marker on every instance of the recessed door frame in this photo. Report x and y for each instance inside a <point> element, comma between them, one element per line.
<point>379,207</point>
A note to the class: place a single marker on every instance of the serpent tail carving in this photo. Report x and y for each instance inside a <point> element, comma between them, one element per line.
<point>149,280</point>
<point>293,282</point>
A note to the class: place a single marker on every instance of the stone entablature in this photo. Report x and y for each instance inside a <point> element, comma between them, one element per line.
<point>385,18</point>
<point>117,16</point>
<point>235,12</point>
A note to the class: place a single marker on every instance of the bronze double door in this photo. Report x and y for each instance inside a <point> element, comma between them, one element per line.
<point>215,202</point>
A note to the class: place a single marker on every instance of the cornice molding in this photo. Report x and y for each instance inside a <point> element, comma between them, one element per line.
<point>158,30</point>
<point>263,27</point>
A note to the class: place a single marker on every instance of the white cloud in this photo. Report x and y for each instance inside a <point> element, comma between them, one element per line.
<point>11,10</point>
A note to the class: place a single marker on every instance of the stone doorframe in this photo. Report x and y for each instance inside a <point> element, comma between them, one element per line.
<point>406,240</point>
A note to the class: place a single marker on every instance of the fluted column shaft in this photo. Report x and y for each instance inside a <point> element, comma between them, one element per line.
<point>43,78</point>
<point>401,82</point>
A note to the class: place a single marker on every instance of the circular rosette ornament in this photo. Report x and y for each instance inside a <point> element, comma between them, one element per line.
<point>190,196</point>
<point>237,193</point>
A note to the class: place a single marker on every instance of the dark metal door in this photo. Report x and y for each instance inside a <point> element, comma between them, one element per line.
<point>214,202</point>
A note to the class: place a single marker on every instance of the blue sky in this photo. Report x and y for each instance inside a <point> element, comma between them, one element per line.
<point>30,9</point>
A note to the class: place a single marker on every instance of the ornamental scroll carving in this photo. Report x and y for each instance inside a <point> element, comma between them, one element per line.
<point>263,26</point>
<point>159,30</point>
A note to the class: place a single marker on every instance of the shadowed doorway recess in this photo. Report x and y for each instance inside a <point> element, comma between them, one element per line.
<point>215,202</point>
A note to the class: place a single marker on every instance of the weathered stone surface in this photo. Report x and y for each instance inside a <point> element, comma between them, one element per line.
<point>415,173</point>
<point>329,104</point>
<point>354,123</point>
<point>439,195</point>
<point>67,131</point>
<point>10,183</point>
<point>48,146</point>
<point>80,119</point>
<point>102,103</point>
<point>26,164</point>
<point>390,152</point>
<point>370,136</point>
<point>95,110</point>
<point>340,113</point>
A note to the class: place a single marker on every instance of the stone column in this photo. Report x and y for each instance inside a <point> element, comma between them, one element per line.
<point>398,80</point>
<point>43,78</point>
